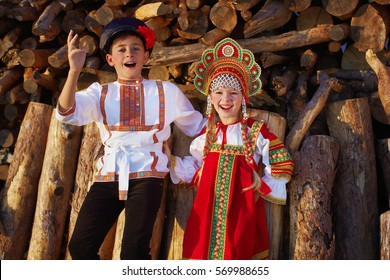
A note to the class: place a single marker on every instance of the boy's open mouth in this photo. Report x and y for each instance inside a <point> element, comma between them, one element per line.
<point>130,64</point>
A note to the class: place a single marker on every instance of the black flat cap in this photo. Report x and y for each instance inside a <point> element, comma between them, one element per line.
<point>126,24</point>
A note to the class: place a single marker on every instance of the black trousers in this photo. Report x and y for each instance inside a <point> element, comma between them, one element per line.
<point>101,209</point>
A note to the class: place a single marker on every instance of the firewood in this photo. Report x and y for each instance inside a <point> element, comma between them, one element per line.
<point>269,59</point>
<point>29,84</point>
<point>283,83</point>
<point>23,13</point>
<point>163,33</point>
<point>18,198</point>
<point>297,5</point>
<point>244,5</point>
<point>385,236</point>
<point>53,31</point>
<point>246,15</point>
<point>312,17</point>
<point>17,94</point>
<point>311,111</point>
<point>382,149</point>
<point>91,44</point>
<point>54,189</point>
<point>120,224</point>
<point>35,57</point>
<point>7,140</point>
<point>29,43</point>
<point>213,36</point>
<point>219,14</point>
<point>117,2</point>
<point>334,47</point>
<point>11,58</point>
<point>182,18</point>
<point>355,212</point>
<point>9,78</point>
<point>148,11</point>
<point>74,20</point>
<point>340,32</point>
<point>311,229</point>
<point>46,79</point>
<point>342,9</point>
<point>197,24</point>
<point>383,74</point>
<point>195,4</point>
<point>4,169</point>
<point>92,23</point>
<point>308,59</point>
<point>289,40</point>
<point>158,22</point>
<point>107,13</point>
<point>43,23</point>
<point>59,57</point>
<point>6,155</point>
<point>272,15</point>
<point>158,73</point>
<point>9,39</point>
<point>369,27</point>
<point>175,70</point>
<point>11,112</point>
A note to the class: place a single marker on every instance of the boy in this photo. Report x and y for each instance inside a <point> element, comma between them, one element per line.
<point>133,116</point>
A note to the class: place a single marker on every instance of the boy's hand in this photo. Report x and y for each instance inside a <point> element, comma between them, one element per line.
<point>76,55</point>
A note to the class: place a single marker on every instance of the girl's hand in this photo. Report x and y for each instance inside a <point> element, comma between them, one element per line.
<point>76,55</point>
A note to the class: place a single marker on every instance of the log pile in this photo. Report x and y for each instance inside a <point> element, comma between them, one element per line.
<point>325,72</point>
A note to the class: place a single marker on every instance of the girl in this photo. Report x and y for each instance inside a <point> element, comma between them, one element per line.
<point>228,219</point>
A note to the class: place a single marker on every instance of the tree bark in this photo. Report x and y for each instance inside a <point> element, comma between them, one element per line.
<point>18,197</point>
<point>385,236</point>
<point>54,190</point>
<point>383,156</point>
<point>311,232</point>
<point>290,40</point>
<point>355,204</point>
<point>383,74</point>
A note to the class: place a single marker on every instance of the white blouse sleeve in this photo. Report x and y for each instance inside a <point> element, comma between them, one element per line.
<point>86,108</point>
<point>182,170</point>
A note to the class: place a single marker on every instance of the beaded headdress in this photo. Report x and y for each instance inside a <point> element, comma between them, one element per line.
<point>228,58</point>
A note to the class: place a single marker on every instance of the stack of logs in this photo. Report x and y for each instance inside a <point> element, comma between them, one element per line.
<point>325,84</point>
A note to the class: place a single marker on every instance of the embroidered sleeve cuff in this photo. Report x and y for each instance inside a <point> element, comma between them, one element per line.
<point>67,112</point>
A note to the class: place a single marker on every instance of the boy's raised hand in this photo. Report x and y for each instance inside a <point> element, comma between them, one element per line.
<point>76,55</point>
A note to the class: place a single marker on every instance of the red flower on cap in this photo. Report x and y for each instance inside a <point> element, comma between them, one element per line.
<point>148,34</point>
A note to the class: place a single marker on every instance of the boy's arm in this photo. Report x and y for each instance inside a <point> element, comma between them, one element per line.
<point>76,57</point>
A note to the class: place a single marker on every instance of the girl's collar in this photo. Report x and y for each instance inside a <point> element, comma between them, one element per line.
<point>219,123</point>
<point>130,82</point>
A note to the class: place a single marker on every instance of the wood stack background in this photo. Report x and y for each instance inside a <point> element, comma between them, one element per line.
<point>326,82</point>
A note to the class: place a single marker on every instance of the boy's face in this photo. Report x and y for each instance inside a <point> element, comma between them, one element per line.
<point>127,56</point>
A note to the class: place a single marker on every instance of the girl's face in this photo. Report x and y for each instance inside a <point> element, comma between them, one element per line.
<point>227,102</point>
<point>128,56</point>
